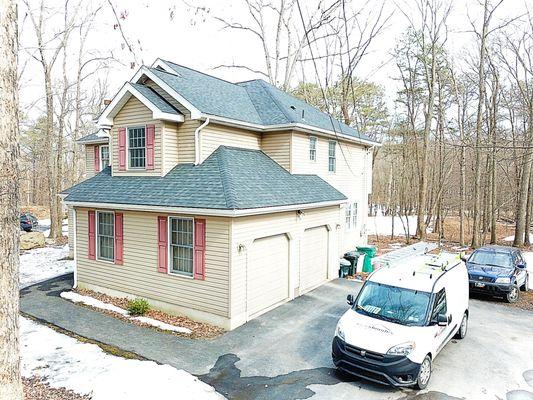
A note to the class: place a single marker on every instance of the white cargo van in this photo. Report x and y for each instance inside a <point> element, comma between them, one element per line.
<point>401,319</point>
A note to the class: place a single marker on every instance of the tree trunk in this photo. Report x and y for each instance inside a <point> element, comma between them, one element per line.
<point>10,381</point>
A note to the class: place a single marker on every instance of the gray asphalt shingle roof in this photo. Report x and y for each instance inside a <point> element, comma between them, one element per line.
<point>254,101</point>
<point>229,179</point>
<point>153,97</point>
<point>93,137</point>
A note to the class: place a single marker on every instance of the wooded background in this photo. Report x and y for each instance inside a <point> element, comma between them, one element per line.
<point>457,135</point>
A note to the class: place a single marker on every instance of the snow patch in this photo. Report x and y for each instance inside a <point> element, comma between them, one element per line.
<point>63,361</point>
<point>45,263</point>
<point>91,301</point>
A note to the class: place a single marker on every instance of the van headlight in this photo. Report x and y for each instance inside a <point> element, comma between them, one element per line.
<point>503,280</point>
<point>402,349</point>
<point>339,332</point>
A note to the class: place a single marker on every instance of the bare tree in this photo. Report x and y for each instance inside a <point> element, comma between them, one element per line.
<point>10,381</point>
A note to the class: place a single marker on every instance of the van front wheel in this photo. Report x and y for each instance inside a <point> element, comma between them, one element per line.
<point>424,374</point>
<point>461,333</point>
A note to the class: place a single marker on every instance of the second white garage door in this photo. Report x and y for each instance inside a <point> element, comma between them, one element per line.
<point>313,258</point>
<point>268,273</point>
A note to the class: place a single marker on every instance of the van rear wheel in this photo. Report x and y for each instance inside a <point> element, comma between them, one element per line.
<point>463,328</point>
<point>424,374</point>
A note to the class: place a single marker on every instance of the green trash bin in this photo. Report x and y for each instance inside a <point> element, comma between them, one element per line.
<point>370,253</point>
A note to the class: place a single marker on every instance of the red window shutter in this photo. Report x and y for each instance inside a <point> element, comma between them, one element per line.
<point>96,159</point>
<point>199,249</point>
<point>92,235</point>
<point>122,149</point>
<point>162,241</point>
<point>119,238</point>
<point>150,144</point>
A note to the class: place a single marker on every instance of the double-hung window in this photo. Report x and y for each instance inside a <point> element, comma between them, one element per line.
<point>312,148</point>
<point>104,157</point>
<point>332,160</point>
<point>351,215</point>
<point>105,232</point>
<point>137,147</point>
<point>181,245</point>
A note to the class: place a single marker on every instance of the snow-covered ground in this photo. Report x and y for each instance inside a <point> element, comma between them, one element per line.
<point>44,227</point>
<point>84,368</point>
<point>63,361</point>
<point>37,265</point>
<point>382,225</point>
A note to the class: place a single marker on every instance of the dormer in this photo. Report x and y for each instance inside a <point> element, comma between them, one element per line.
<point>97,156</point>
<point>142,124</point>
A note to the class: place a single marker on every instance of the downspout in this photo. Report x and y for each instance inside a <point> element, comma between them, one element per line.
<point>197,141</point>
<point>75,250</point>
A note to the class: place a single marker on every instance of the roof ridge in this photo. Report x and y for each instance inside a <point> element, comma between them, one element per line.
<point>266,87</point>
<point>228,185</point>
<point>158,96</point>
<point>200,72</point>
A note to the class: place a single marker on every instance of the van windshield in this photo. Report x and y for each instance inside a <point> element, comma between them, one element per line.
<point>394,304</point>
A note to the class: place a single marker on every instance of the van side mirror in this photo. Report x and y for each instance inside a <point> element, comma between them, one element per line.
<point>350,300</point>
<point>521,266</point>
<point>442,320</point>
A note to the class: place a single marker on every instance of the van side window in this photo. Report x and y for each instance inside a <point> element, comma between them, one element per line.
<point>439,307</point>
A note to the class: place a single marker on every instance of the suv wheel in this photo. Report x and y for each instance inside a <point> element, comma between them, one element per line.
<point>424,374</point>
<point>513,295</point>
<point>463,328</point>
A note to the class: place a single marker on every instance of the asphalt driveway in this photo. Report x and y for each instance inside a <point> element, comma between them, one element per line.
<point>285,354</point>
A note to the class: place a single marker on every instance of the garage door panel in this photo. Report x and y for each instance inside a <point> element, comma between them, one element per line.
<point>268,273</point>
<point>313,258</point>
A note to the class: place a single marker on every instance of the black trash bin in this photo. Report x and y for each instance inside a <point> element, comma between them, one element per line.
<point>344,268</point>
<point>352,257</point>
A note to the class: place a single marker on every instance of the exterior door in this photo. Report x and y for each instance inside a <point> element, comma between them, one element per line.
<point>313,258</point>
<point>267,274</point>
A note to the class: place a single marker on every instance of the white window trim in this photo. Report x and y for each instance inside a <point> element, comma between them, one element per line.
<point>102,166</point>
<point>311,138</point>
<point>169,258</point>
<point>128,167</point>
<point>96,235</point>
<point>352,224</point>
<point>335,158</point>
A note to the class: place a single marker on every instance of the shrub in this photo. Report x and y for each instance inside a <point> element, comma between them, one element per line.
<point>138,306</point>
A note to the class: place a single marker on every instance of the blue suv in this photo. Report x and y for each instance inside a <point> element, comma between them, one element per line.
<point>498,271</point>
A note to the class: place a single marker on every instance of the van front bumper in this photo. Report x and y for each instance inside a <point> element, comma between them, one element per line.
<point>497,289</point>
<point>397,371</point>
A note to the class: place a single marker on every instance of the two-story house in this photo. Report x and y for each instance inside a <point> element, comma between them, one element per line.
<point>213,199</point>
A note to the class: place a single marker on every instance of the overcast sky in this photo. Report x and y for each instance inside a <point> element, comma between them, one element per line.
<point>197,41</point>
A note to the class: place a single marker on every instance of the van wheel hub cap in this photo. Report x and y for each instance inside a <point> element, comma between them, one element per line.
<point>425,372</point>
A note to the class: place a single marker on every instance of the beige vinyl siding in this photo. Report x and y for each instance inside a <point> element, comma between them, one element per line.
<point>138,276</point>
<point>186,130</point>
<point>246,229</point>
<point>213,136</point>
<point>89,161</point>
<point>170,146</point>
<point>352,178</point>
<point>134,113</point>
<point>278,147</point>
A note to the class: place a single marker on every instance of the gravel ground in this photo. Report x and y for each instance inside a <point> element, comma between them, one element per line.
<point>36,389</point>
<point>199,330</point>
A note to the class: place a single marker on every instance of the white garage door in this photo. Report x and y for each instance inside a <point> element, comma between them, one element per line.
<point>313,258</point>
<point>268,273</point>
